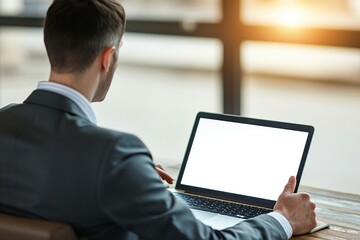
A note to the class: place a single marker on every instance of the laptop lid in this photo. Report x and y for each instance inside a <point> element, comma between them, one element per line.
<point>243,159</point>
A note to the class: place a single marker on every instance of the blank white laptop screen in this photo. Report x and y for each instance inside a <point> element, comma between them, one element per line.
<point>243,159</point>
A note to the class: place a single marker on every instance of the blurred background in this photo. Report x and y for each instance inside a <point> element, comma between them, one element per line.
<point>286,60</point>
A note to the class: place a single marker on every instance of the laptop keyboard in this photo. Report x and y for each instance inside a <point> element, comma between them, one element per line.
<point>221,207</point>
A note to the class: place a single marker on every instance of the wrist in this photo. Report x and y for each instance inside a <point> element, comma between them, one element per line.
<point>284,222</point>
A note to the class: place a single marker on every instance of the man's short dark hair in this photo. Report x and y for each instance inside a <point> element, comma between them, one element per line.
<point>75,31</point>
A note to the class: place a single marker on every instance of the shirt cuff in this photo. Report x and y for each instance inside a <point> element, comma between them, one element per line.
<point>283,222</point>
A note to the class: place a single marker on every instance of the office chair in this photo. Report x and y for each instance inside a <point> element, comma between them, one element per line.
<point>17,228</point>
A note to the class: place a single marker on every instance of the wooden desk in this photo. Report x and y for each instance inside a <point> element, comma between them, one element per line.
<point>341,211</point>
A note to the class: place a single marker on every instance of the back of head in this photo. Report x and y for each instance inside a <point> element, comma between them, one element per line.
<point>75,31</point>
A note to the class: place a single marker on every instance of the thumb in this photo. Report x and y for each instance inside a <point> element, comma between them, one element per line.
<point>290,186</point>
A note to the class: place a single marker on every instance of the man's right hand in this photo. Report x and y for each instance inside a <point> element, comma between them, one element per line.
<point>297,208</point>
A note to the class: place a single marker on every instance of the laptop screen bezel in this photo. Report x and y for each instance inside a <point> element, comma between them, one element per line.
<point>237,119</point>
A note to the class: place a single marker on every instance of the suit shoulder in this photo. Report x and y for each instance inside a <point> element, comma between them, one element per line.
<point>107,132</point>
<point>7,107</point>
<point>123,139</point>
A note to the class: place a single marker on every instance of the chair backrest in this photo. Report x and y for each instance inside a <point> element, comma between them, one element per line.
<point>17,228</point>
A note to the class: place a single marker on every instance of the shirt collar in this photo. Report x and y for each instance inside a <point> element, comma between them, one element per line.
<point>72,94</point>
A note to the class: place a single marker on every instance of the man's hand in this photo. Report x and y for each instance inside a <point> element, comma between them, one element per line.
<point>164,175</point>
<point>297,208</point>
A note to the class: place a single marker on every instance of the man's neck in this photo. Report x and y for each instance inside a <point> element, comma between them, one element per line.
<point>84,83</point>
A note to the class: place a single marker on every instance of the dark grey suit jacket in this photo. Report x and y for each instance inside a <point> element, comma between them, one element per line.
<point>55,164</point>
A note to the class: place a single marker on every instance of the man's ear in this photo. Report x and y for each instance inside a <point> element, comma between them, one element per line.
<point>107,57</point>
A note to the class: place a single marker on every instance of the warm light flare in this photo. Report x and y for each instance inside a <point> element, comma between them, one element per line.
<point>291,16</point>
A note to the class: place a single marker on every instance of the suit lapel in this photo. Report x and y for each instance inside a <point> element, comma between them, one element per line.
<point>55,101</point>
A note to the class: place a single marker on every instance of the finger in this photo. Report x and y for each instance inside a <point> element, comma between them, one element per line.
<point>290,186</point>
<point>159,166</point>
<point>164,175</point>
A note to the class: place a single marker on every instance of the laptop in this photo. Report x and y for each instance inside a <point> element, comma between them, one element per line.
<point>235,168</point>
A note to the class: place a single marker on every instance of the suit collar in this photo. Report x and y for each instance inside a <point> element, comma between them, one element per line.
<point>72,94</point>
<point>55,101</point>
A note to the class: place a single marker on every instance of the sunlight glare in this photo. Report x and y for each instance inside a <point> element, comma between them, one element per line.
<point>291,16</point>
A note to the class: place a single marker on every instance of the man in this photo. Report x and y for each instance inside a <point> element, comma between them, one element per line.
<point>56,164</point>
